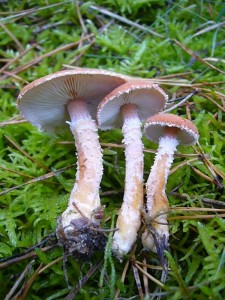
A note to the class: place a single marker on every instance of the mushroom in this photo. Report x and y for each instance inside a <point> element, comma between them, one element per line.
<point>72,96</point>
<point>169,131</point>
<point>127,106</point>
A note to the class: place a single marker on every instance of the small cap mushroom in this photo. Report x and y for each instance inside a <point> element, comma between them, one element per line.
<point>127,106</point>
<point>157,126</point>
<point>169,131</point>
<point>49,103</point>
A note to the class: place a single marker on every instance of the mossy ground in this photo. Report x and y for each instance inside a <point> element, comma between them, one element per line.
<point>181,44</point>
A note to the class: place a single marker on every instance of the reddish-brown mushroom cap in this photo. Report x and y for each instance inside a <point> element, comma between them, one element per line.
<point>155,128</point>
<point>43,102</point>
<point>148,97</point>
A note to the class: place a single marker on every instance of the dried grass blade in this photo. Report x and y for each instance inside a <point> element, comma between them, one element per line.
<point>50,264</point>
<point>123,277</point>
<point>8,64</point>
<point>197,209</point>
<point>196,217</point>
<point>209,28</point>
<point>40,58</point>
<point>81,283</point>
<point>145,278</point>
<point>212,100</point>
<point>124,20</point>
<point>12,122</point>
<point>40,178</point>
<point>12,36</point>
<point>138,281</point>
<point>195,56</point>
<point>27,285</point>
<point>151,277</point>
<point>183,163</point>
<point>16,172</point>
<point>26,154</point>
<point>18,281</point>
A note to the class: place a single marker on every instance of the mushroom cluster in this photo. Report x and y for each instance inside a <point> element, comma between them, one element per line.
<point>92,99</point>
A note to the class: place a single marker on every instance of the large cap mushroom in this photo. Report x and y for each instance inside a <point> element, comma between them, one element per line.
<point>72,96</point>
<point>44,101</point>
<point>127,106</point>
<point>169,131</point>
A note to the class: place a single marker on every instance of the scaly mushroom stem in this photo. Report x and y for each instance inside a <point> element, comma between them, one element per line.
<point>84,200</point>
<point>129,219</point>
<point>157,203</point>
<point>85,193</point>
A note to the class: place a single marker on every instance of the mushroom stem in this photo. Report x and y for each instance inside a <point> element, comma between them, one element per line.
<point>129,219</point>
<point>157,203</point>
<point>85,193</point>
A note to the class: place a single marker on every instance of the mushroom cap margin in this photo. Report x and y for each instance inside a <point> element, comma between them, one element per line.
<point>154,128</point>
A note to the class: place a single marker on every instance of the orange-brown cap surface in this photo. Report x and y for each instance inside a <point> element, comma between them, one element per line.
<point>43,102</point>
<point>148,97</point>
<point>155,128</point>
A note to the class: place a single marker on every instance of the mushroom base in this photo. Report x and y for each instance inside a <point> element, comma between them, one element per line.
<point>156,234</point>
<point>81,238</point>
